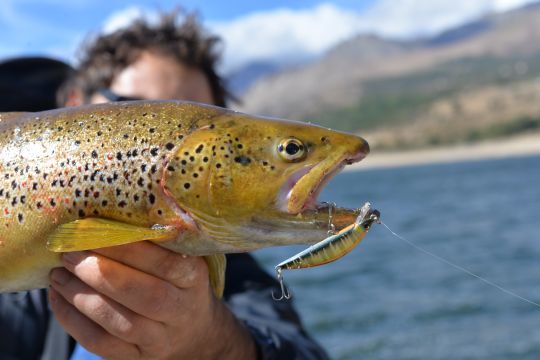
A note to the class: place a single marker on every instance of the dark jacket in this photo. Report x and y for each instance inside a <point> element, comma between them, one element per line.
<point>29,331</point>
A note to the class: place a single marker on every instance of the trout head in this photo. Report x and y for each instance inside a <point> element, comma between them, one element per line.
<point>251,182</point>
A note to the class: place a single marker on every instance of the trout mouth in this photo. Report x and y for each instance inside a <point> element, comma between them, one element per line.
<point>300,191</point>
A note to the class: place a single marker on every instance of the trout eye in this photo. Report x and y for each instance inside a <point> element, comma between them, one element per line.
<point>292,149</point>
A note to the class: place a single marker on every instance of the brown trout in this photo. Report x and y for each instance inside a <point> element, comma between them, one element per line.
<point>199,180</point>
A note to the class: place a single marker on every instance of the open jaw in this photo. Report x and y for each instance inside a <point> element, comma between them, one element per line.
<point>298,195</point>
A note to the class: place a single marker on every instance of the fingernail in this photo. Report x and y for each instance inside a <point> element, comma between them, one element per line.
<point>73,258</point>
<point>60,276</point>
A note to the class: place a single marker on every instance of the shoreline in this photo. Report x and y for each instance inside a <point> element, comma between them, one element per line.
<point>516,146</point>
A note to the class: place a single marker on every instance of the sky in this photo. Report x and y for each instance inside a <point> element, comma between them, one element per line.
<point>278,30</point>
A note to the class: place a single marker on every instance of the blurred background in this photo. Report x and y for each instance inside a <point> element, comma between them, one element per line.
<point>448,95</point>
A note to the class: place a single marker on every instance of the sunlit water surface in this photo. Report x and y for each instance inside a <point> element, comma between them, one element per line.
<point>387,300</point>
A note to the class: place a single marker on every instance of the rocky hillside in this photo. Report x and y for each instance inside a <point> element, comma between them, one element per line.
<point>477,81</point>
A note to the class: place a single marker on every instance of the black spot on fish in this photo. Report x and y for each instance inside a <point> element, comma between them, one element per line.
<point>152,198</point>
<point>81,213</point>
<point>99,133</point>
<point>184,162</point>
<point>14,201</point>
<point>205,159</point>
<point>170,168</point>
<point>39,205</point>
<point>153,169</point>
<point>192,158</point>
<point>240,146</point>
<point>187,186</point>
<point>96,194</point>
<point>154,151</point>
<point>195,175</point>
<point>52,202</point>
<point>159,212</point>
<point>122,204</point>
<point>77,192</point>
<point>140,182</point>
<point>218,165</point>
<point>94,154</point>
<point>119,155</point>
<point>13,184</point>
<point>169,146</point>
<point>244,160</point>
<point>212,126</point>
<point>23,199</point>
<point>143,167</point>
<point>104,203</point>
<point>126,136</point>
<point>152,130</point>
<point>20,217</point>
<point>199,148</point>
<point>135,197</point>
<point>135,152</point>
<point>118,191</point>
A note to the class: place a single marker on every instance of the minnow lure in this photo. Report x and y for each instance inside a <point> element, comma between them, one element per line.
<point>330,249</point>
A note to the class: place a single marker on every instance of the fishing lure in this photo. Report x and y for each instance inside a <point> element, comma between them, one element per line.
<point>330,249</point>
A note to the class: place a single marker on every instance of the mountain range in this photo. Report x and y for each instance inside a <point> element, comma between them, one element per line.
<point>480,80</point>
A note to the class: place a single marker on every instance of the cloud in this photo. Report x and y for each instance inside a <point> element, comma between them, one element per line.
<point>285,35</point>
<point>124,17</point>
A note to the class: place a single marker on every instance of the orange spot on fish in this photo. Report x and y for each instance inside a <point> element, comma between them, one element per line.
<point>66,200</point>
<point>79,168</point>
<point>23,184</point>
<point>6,211</point>
<point>110,156</point>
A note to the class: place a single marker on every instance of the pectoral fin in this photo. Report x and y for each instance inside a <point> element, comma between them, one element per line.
<point>216,270</point>
<point>94,233</point>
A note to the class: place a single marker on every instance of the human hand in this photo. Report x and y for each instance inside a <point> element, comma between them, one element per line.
<point>141,301</point>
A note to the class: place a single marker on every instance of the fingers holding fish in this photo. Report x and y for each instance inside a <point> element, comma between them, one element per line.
<point>88,333</point>
<point>140,292</point>
<point>181,270</point>
<point>183,322</point>
<point>115,318</point>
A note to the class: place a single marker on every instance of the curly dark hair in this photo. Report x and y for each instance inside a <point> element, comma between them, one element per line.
<point>107,55</point>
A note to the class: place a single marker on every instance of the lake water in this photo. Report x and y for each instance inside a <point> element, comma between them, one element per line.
<point>387,300</point>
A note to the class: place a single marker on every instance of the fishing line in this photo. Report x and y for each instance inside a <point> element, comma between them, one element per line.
<point>491,283</point>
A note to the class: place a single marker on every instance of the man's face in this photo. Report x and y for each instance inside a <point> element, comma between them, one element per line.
<point>155,76</point>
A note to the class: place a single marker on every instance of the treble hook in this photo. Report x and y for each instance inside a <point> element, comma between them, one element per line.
<point>285,294</point>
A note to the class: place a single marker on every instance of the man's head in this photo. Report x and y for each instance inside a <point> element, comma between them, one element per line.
<point>168,60</point>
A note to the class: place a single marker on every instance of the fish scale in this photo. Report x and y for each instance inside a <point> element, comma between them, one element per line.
<point>202,177</point>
